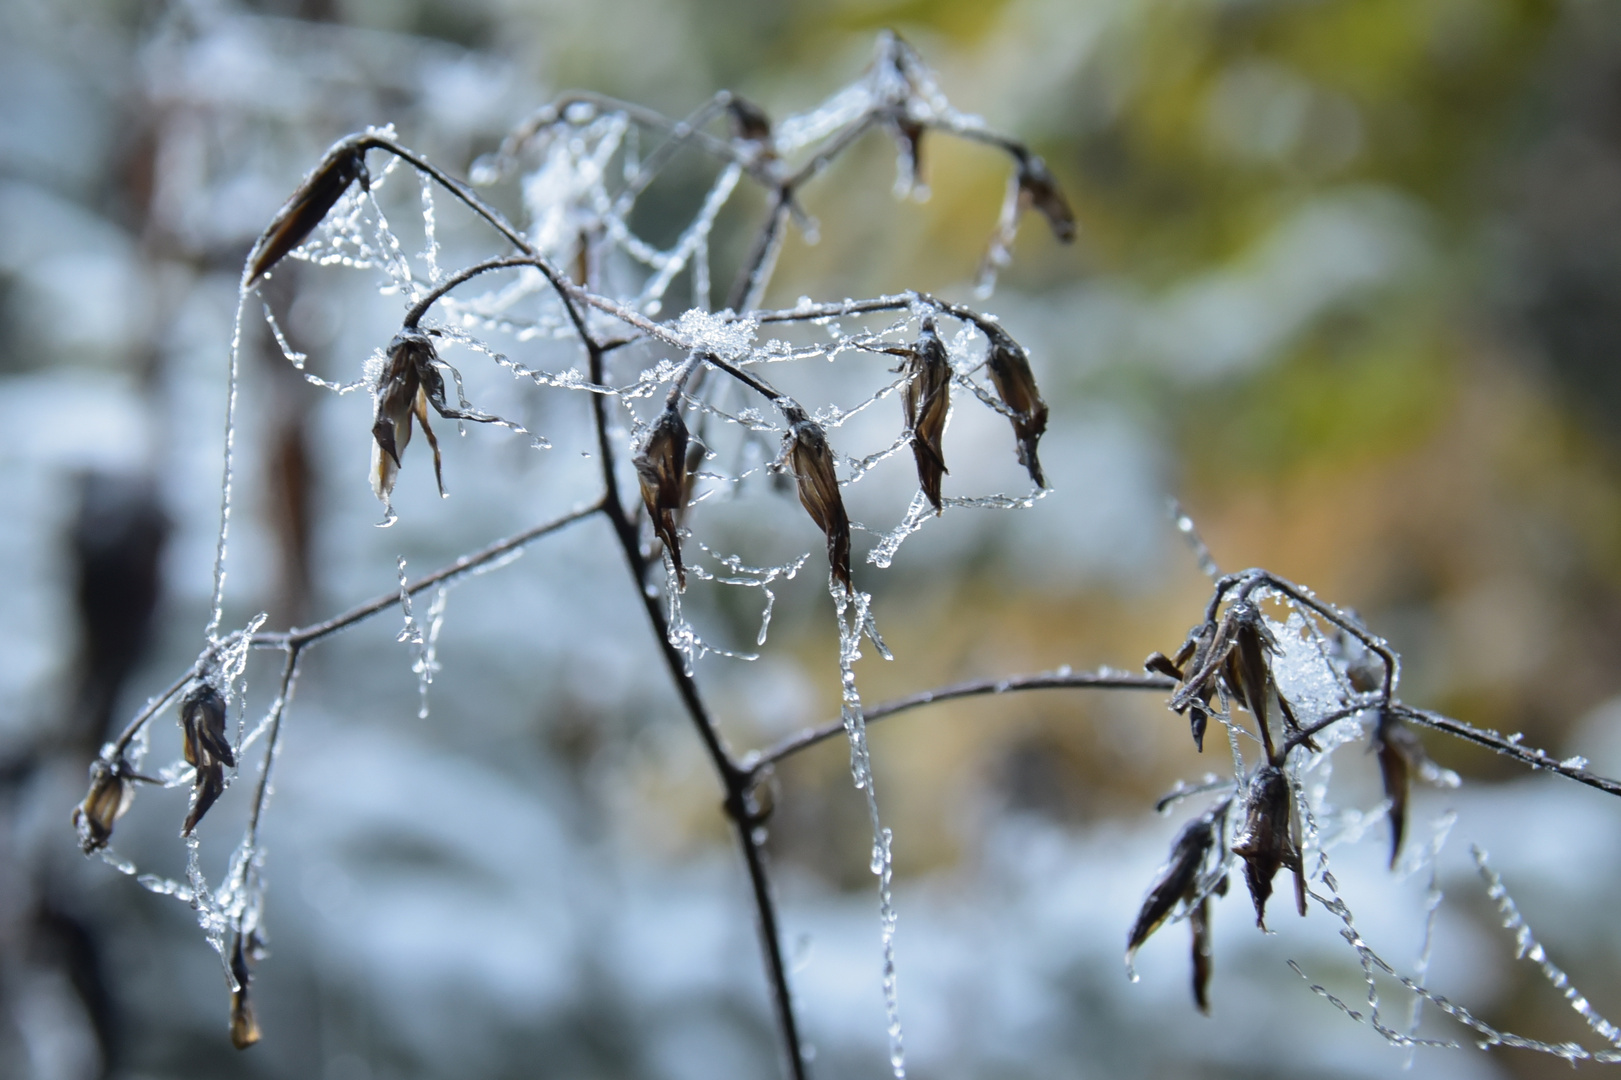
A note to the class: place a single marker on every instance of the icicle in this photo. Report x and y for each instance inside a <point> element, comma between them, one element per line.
<point>852,625</point>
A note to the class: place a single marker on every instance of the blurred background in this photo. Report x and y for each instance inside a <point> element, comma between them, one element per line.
<point>1344,285</point>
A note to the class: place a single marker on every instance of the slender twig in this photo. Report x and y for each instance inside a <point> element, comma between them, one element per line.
<point>1105,679</point>
<point>1508,747</point>
<point>300,637</point>
<point>737,782</point>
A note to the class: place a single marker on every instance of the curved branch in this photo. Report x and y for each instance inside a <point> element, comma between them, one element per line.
<point>1103,679</point>
<point>299,637</point>
<point>1511,748</point>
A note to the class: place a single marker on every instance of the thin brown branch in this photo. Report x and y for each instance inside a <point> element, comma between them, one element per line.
<point>1104,679</point>
<point>1508,747</point>
<point>302,636</point>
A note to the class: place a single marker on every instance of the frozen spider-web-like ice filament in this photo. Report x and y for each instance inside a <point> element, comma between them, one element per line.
<point>855,619</point>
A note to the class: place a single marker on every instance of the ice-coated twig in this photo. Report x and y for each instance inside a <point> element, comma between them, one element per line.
<point>1102,679</point>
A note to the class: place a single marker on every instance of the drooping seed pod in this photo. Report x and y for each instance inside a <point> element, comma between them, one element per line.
<point>1400,754</point>
<point>661,469</point>
<point>927,403</point>
<point>1178,880</point>
<point>322,188</point>
<point>111,792</point>
<point>1193,670</point>
<point>207,750</point>
<point>244,1025</point>
<point>410,382</point>
<point>1199,921</point>
<point>810,459</point>
<point>1016,386</point>
<point>1039,189</point>
<point>1267,842</point>
<point>749,122</point>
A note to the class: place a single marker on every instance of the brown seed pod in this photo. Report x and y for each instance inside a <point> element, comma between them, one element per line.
<point>1178,880</point>
<point>1199,920</point>
<point>1039,189</point>
<point>322,188</point>
<point>1192,668</point>
<point>244,1025</point>
<point>661,468</point>
<point>1016,386</point>
<point>927,403</point>
<point>111,792</point>
<point>409,384</point>
<point>1400,753</point>
<point>810,459</point>
<point>1267,841</point>
<point>749,122</point>
<point>207,750</point>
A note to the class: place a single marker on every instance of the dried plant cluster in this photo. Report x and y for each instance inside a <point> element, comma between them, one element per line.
<point>1286,678</point>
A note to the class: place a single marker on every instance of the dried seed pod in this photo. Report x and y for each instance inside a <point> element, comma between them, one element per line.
<point>1039,189</point>
<point>244,1025</point>
<point>1267,841</point>
<point>1178,880</point>
<point>1400,753</point>
<point>207,750</point>
<point>927,403</point>
<point>1016,386</point>
<point>810,459</point>
<point>410,382</point>
<point>749,122</point>
<point>111,792</point>
<point>1199,920</point>
<point>322,188</point>
<point>661,468</point>
<point>1192,668</point>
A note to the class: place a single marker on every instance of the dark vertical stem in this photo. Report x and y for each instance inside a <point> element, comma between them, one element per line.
<point>738,781</point>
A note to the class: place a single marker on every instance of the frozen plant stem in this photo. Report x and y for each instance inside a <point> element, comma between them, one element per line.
<point>1230,654</point>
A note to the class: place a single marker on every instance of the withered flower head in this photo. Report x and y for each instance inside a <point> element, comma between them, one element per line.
<point>1039,189</point>
<point>749,122</point>
<point>1178,880</point>
<point>661,468</point>
<point>244,1025</point>
<point>1192,699</point>
<point>926,403</point>
<point>1267,841</point>
<point>409,384</point>
<point>1203,961</point>
<point>1249,669</point>
<point>202,725</point>
<point>1400,754</point>
<point>322,188</point>
<point>1016,386</point>
<point>810,459</point>
<point>111,791</point>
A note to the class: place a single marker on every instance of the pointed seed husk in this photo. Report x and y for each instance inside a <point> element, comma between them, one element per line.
<point>299,216</point>
<point>1039,189</point>
<point>110,794</point>
<point>810,459</point>
<point>661,469</point>
<point>244,1025</point>
<point>206,748</point>
<point>1178,880</point>
<point>1016,386</point>
<point>927,403</point>
<point>1266,842</point>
